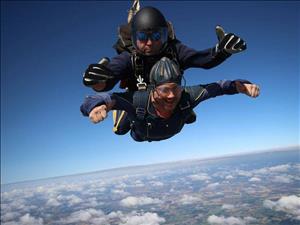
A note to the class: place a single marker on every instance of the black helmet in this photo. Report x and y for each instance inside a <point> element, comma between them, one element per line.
<point>149,19</point>
<point>165,71</point>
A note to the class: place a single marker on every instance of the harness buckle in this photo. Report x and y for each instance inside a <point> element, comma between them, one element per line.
<point>141,85</point>
<point>140,113</point>
<point>140,110</point>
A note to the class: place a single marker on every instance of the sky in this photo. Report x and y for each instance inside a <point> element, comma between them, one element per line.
<point>46,47</point>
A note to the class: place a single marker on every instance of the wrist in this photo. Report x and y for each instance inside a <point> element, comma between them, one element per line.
<point>99,86</point>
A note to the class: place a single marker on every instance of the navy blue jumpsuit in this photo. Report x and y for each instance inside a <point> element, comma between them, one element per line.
<point>152,127</point>
<point>122,68</point>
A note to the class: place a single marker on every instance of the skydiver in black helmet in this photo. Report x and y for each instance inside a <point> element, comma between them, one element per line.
<point>143,41</point>
<point>165,106</point>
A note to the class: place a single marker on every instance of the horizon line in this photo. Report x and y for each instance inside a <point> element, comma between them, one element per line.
<point>229,155</point>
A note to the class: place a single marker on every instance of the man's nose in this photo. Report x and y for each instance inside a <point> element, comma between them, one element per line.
<point>171,94</point>
<point>149,41</point>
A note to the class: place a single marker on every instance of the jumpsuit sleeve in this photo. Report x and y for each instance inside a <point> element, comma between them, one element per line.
<point>200,93</point>
<point>123,101</point>
<point>205,59</point>
<point>120,67</point>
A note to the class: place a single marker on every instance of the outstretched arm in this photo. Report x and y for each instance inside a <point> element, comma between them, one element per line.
<point>226,87</point>
<point>97,106</point>
<point>228,44</point>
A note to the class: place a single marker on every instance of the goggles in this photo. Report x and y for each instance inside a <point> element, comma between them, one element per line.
<point>145,36</point>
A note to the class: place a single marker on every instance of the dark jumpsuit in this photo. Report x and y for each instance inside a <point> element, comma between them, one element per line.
<point>122,68</point>
<point>152,127</point>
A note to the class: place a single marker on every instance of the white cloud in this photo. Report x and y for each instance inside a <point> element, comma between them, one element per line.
<point>255,179</point>
<point>188,199</point>
<point>201,177</point>
<point>132,201</point>
<point>213,185</point>
<point>29,220</point>
<point>92,202</point>
<point>9,216</point>
<point>297,166</point>
<point>288,204</point>
<point>227,206</point>
<point>113,215</point>
<point>89,216</point>
<point>244,173</point>
<point>225,221</point>
<point>156,183</point>
<point>18,204</point>
<point>250,219</point>
<point>52,202</point>
<point>121,185</point>
<point>283,179</point>
<point>143,219</point>
<point>273,169</point>
<point>70,199</point>
<point>280,168</point>
<point>119,192</point>
<point>229,177</point>
<point>138,183</point>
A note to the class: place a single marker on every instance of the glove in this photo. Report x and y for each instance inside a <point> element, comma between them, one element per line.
<point>97,73</point>
<point>230,43</point>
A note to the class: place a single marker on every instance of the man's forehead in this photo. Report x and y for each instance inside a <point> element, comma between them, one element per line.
<point>169,85</point>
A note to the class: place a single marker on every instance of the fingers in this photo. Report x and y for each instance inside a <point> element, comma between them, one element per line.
<point>98,72</point>
<point>253,90</point>
<point>220,32</point>
<point>98,114</point>
<point>234,44</point>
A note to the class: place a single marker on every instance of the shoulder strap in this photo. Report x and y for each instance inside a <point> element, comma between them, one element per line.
<point>138,68</point>
<point>140,101</point>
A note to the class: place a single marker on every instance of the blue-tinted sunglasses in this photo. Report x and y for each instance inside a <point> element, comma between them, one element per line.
<point>153,36</point>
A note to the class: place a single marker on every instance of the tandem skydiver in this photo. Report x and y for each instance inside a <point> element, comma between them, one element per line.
<point>160,111</point>
<point>142,42</point>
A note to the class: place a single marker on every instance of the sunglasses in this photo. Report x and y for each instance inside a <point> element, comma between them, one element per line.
<point>144,36</point>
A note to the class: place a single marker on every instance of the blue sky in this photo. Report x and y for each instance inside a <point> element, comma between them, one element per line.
<point>46,46</point>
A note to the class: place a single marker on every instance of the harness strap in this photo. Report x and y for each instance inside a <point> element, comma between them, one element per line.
<point>140,100</point>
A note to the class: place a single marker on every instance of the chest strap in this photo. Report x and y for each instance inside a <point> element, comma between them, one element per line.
<point>140,101</point>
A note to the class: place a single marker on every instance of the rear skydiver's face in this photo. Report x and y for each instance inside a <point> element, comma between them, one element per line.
<point>149,43</point>
<point>167,96</point>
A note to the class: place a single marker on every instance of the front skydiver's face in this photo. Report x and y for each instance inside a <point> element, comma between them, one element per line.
<point>167,96</point>
<point>149,43</point>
